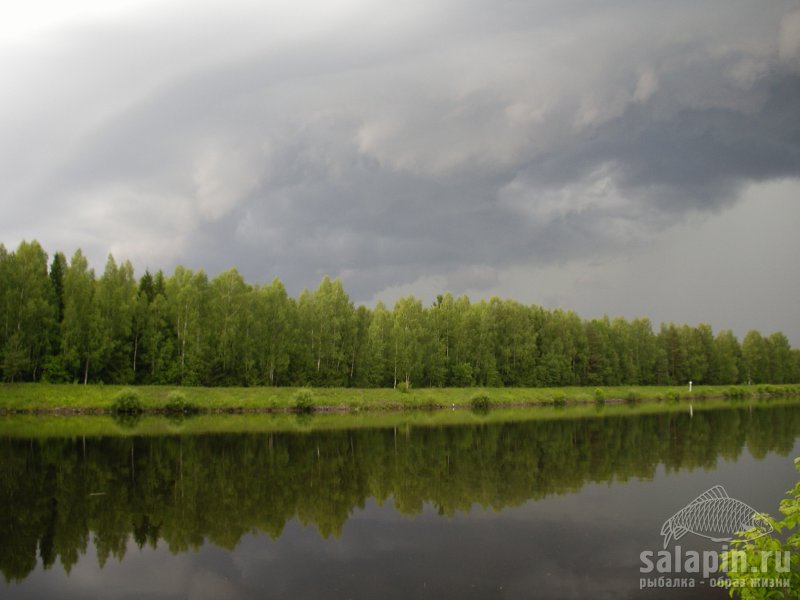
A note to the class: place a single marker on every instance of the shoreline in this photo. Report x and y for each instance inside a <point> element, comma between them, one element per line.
<point>98,399</point>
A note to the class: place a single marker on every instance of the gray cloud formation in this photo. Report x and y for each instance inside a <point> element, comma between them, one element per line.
<point>385,142</point>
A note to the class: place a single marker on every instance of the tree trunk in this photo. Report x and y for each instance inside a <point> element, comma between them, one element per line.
<point>395,365</point>
<point>86,372</point>
<point>135,350</point>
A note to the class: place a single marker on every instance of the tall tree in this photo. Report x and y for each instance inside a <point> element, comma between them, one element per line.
<point>484,357</point>
<point>375,371</point>
<point>699,343</point>
<point>562,349</point>
<point>726,356</point>
<point>407,334</point>
<point>116,303</point>
<point>331,315</point>
<point>645,351</point>
<point>231,335</point>
<point>673,342</point>
<point>274,327</point>
<point>358,344</point>
<point>80,328</point>
<point>755,358</point>
<point>6,302</point>
<point>515,343</point>
<point>30,312</point>
<point>442,322</point>
<point>603,365</point>
<point>780,358</point>
<point>53,368</point>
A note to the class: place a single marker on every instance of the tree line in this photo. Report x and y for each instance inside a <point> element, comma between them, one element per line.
<point>60,322</point>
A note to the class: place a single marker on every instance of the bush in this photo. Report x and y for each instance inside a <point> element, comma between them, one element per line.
<point>560,399</point>
<point>480,402</point>
<point>178,405</point>
<point>304,400</point>
<point>127,402</point>
<point>404,387</point>
<point>599,395</point>
<point>673,396</point>
<point>752,556</point>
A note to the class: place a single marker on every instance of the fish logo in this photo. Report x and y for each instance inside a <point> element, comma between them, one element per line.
<point>714,515</point>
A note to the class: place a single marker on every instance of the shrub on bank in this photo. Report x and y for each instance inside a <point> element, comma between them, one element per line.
<point>480,402</point>
<point>127,402</point>
<point>177,404</point>
<point>304,400</point>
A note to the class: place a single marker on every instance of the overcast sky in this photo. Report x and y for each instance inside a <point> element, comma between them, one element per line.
<point>611,157</point>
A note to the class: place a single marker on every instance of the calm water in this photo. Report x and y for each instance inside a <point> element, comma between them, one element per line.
<point>559,508</point>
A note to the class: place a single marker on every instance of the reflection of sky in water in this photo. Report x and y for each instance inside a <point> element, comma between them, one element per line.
<point>577,545</point>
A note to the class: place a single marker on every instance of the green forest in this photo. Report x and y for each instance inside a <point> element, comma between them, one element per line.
<point>60,493</point>
<point>60,322</point>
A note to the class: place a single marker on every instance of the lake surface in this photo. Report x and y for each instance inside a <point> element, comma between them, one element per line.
<point>560,507</point>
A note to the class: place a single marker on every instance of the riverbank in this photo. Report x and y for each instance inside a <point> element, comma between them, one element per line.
<point>43,398</point>
<point>70,425</point>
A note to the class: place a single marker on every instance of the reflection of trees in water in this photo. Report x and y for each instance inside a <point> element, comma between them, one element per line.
<point>218,487</point>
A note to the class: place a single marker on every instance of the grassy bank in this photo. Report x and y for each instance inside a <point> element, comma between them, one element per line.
<point>50,398</point>
<point>40,426</point>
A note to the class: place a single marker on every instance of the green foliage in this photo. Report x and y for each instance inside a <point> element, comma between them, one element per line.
<point>755,557</point>
<point>599,395</point>
<point>672,395</point>
<point>57,396</point>
<point>177,404</point>
<point>184,329</point>
<point>404,387</point>
<point>304,401</point>
<point>80,324</point>
<point>461,375</point>
<point>54,370</point>
<point>480,402</point>
<point>771,391</point>
<point>127,402</point>
<point>736,393</point>
<point>15,358</point>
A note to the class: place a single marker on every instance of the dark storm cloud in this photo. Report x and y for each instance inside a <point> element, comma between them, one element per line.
<point>388,143</point>
<point>696,157</point>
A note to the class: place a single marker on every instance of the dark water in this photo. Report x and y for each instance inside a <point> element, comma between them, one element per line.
<point>554,509</point>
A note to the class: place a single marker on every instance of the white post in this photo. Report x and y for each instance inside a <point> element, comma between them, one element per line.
<point>690,387</point>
